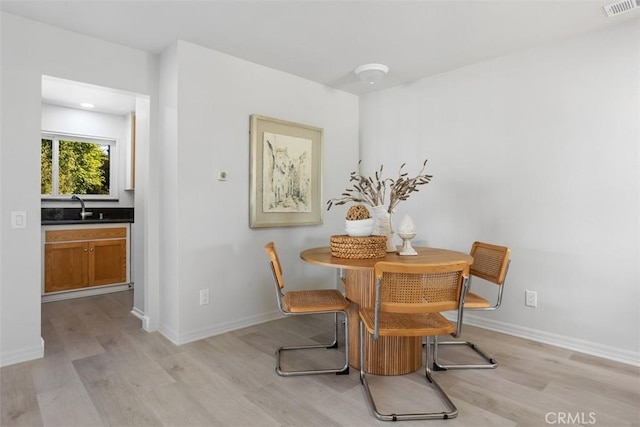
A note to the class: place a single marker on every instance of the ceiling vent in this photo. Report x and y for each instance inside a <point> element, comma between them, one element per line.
<point>623,6</point>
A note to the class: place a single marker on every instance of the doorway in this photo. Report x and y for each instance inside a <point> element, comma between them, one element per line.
<point>64,99</point>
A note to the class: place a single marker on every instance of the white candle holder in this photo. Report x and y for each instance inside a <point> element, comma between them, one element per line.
<point>407,249</point>
<point>406,232</point>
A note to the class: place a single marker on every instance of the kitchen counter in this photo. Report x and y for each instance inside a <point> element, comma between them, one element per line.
<point>65,216</point>
<point>82,221</point>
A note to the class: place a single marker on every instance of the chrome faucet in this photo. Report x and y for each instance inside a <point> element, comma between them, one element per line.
<point>83,213</point>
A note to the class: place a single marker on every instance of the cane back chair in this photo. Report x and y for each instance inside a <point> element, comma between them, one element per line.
<point>322,301</point>
<point>491,263</point>
<point>409,300</point>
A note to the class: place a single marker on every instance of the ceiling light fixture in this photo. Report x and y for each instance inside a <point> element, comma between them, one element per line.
<point>87,105</point>
<point>371,73</point>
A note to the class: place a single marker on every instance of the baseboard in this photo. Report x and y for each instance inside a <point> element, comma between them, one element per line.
<point>23,355</point>
<point>140,315</point>
<point>570,343</point>
<point>169,334</point>
<point>221,328</point>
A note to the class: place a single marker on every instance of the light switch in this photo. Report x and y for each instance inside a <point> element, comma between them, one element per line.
<point>18,219</point>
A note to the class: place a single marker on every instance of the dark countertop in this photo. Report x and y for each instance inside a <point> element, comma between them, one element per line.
<point>81,221</point>
<point>64,216</point>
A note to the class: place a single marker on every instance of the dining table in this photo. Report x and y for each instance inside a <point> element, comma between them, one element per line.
<point>386,355</point>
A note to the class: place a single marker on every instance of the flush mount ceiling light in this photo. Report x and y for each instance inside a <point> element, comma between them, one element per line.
<point>371,73</point>
<point>87,105</point>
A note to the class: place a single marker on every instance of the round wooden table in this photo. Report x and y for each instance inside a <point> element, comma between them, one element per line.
<point>387,355</point>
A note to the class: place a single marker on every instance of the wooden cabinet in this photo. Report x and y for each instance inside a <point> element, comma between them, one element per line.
<point>85,257</point>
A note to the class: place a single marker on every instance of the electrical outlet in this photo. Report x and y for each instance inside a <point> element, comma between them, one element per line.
<point>204,296</point>
<point>530,298</point>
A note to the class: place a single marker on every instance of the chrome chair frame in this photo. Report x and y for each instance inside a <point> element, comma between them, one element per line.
<point>491,363</point>
<point>343,370</point>
<point>452,410</point>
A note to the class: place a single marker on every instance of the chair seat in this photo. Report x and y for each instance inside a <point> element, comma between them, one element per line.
<point>314,300</point>
<point>475,301</point>
<point>408,325</point>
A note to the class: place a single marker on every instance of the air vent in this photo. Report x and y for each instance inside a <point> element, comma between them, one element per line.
<point>620,7</point>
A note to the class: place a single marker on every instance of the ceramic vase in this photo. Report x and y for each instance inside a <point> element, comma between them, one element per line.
<point>383,227</point>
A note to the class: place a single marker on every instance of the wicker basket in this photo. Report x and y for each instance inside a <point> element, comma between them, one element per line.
<point>343,246</point>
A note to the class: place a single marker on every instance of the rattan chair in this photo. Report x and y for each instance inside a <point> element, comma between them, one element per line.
<point>408,303</point>
<point>491,263</point>
<point>323,301</point>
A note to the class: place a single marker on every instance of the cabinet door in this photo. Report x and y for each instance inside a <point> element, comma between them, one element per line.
<point>107,262</point>
<point>66,266</point>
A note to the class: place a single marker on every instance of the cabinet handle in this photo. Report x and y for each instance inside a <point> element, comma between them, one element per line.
<point>91,250</point>
<point>85,250</point>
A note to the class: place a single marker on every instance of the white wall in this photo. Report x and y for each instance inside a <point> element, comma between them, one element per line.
<point>538,151</point>
<point>90,123</point>
<point>145,235</point>
<point>169,285</point>
<point>205,221</point>
<point>191,231</point>
<point>30,50</point>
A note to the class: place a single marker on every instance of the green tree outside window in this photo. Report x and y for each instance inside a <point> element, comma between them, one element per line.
<point>83,167</point>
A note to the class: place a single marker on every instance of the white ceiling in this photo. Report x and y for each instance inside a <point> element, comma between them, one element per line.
<point>324,41</point>
<point>71,94</point>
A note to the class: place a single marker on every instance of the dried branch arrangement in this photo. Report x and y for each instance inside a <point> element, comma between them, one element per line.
<point>373,191</point>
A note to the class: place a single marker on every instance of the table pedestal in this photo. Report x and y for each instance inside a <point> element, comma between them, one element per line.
<point>386,355</point>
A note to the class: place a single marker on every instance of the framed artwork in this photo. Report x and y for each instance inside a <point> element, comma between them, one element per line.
<point>286,173</point>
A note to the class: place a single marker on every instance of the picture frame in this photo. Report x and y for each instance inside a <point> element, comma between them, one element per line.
<point>286,173</point>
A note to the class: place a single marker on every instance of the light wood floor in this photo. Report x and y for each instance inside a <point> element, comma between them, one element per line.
<point>101,369</point>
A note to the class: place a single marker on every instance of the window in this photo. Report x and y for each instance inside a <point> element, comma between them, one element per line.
<point>77,165</point>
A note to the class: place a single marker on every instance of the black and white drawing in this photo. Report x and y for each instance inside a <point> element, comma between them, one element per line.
<point>286,174</point>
